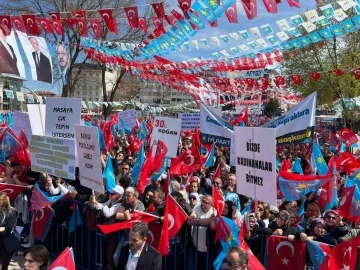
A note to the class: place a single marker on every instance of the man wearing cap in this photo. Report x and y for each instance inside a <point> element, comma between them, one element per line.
<point>110,207</point>
<point>194,199</point>
<point>131,203</point>
<point>274,211</point>
<point>8,60</point>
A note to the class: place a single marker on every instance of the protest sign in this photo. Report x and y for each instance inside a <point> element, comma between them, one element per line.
<point>213,128</point>
<point>53,156</point>
<point>297,124</point>
<point>20,96</point>
<point>129,117</point>
<point>21,122</point>
<point>88,150</point>
<point>62,114</point>
<point>189,121</point>
<point>167,130</point>
<point>37,117</point>
<point>255,150</point>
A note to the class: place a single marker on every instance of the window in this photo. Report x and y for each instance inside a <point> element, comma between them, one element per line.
<point>178,99</point>
<point>173,99</point>
<point>84,93</point>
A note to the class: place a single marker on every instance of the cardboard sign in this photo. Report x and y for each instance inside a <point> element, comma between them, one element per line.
<point>53,156</point>
<point>129,117</point>
<point>62,114</point>
<point>167,130</point>
<point>88,150</point>
<point>255,150</point>
<point>37,115</point>
<point>21,122</point>
<point>190,121</point>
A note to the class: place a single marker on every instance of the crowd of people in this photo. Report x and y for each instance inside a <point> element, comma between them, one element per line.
<point>195,244</point>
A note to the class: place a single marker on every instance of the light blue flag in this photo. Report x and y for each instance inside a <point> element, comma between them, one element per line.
<point>322,167</point>
<point>125,126</point>
<point>317,255</point>
<point>337,30</point>
<point>315,37</point>
<point>227,3</point>
<point>296,167</point>
<point>101,140</point>
<point>165,163</point>
<point>140,159</point>
<point>214,7</point>
<point>143,131</point>
<point>109,175</point>
<point>348,26</point>
<point>297,20</point>
<point>204,12</point>
<point>195,20</point>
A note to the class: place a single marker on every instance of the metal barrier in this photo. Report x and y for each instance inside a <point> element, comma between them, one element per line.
<point>89,246</point>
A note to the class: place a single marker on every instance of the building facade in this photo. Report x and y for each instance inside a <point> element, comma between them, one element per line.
<point>12,83</point>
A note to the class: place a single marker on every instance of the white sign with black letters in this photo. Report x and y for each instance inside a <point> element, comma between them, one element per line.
<point>167,130</point>
<point>255,150</point>
<point>190,121</point>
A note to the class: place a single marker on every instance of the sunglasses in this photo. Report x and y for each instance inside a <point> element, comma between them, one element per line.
<point>192,198</point>
<point>125,169</point>
<point>260,209</point>
<point>331,217</point>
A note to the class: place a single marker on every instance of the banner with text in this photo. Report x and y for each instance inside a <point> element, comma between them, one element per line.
<point>129,117</point>
<point>88,150</point>
<point>21,122</point>
<point>190,121</point>
<point>167,130</point>
<point>53,156</point>
<point>213,128</point>
<point>297,124</point>
<point>62,114</point>
<point>256,163</point>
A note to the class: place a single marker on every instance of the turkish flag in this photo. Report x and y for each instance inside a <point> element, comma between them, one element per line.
<point>159,9</point>
<point>242,117</point>
<point>143,24</point>
<point>45,25</point>
<point>347,136</point>
<point>185,5</point>
<point>164,238</point>
<point>218,201</point>
<point>79,13</point>
<point>82,27</point>
<point>188,162</point>
<point>294,3</point>
<point>283,254</point>
<point>31,27</point>
<point>346,201</point>
<point>279,81</point>
<point>57,26</point>
<point>154,234</point>
<point>6,21</point>
<point>55,16</point>
<point>214,23</point>
<point>177,15</point>
<point>97,27</point>
<point>271,6</point>
<point>136,217</point>
<point>12,191</point>
<point>296,79</point>
<point>19,23</point>
<point>254,263</point>
<point>250,7</point>
<point>64,261</point>
<point>132,16</point>
<point>177,216</point>
<point>172,20</point>
<point>42,222</point>
<point>217,172</point>
<point>158,22</point>
<point>346,162</point>
<point>344,255</point>
<point>71,22</point>
<point>231,13</point>
<point>111,24</point>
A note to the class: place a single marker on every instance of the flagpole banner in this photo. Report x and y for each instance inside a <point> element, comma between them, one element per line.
<point>213,128</point>
<point>256,163</point>
<point>190,121</point>
<point>129,117</point>
<point>62,114</point>
<point>21,122</point>
<point>297,124</point>
<point>167,130</point>
<point>88,150</point>
<point>53,156</point>
<point>37,115</point>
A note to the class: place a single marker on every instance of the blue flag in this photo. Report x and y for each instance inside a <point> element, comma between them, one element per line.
<point>210,160</point>
<point>247,208</point>
<point>9,144</point>
<point>321,165</point>
<point>335,200</point>
<point>316,253</point>
<point>165,163</point>
<point>108,174</point>
<point>125,126</point>
<point>296,167</point>
<point>140,159</point>
<point>143,131</point>
<point>75,220</point>
<point>101,140</point>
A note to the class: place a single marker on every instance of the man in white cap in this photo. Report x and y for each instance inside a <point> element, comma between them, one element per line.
<point>110,207</point>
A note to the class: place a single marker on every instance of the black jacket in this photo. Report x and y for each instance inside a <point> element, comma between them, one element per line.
<point>149,259</point>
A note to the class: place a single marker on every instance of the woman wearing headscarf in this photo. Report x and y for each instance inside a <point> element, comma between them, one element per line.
<point>281,225</point>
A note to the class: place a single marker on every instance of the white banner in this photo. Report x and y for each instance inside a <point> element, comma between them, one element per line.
<point>37,115</point>
<point>129,117</point>
<point>167,130</point>
<point>21,122</point>
<point>53,156</point>
<point>88,149</point>
<point>232,151</point>
<point>213,128</point>
<point>190,121</point>
<point>297,124</point>
<point>62,114</point>
<point>255,150</point>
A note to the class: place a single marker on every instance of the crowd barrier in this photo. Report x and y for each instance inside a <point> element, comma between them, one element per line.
<point>89,245</point>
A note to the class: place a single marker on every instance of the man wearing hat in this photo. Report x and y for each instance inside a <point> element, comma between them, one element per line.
<point>8,60</point>
<point>274,211</point>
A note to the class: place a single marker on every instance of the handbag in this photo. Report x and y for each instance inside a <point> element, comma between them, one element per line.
<point>12,242</point>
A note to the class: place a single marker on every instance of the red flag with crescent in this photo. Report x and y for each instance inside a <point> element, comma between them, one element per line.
<point>42,222</point>
<point>6,21</point>
<point>344,255</point>
<point>185,5</point>
<point>12,191</point>
<point>18,21</point>
<point>58,27</point>
<point>283,254</point>
<point>250,7</point>
<point>347,136</point>
<point>171,20</point>
<point>82,27</point>
<point>188,162</point>
<point>143,24</point>
<point>64,261</point>
<point>45,25</point>
<point>132,16</point>
<point>294,3</point>
<point>231,13</point>
<point>111,24</point>
<point>79,13</point>
<point>31,27</point>
<point>159,9</point>
<point>218,201</point>
<point>177,216</point>
<point>271,6</point>
<point>55,16</point>
<point>154,234</point>
<point>164,238</point>
<point>97,27</point>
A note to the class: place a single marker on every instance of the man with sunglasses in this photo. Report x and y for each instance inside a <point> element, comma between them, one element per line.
<point>236,259</point>
<point>335,225</point>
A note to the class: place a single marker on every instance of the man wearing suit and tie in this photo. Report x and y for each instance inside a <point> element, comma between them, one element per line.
<point>42,63</point>
<point>138,255</point>
<point>63,58</point>
<point>8,60</point>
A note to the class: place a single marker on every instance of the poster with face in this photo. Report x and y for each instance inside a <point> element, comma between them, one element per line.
<point>38,57</point>
<point>63,57</point>
<point>10,58</point>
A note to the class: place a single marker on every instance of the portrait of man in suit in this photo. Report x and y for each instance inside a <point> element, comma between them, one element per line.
<point>138,255</point>
<point>8,60</point>
<point>42,62</point>
<point>63,58</point>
